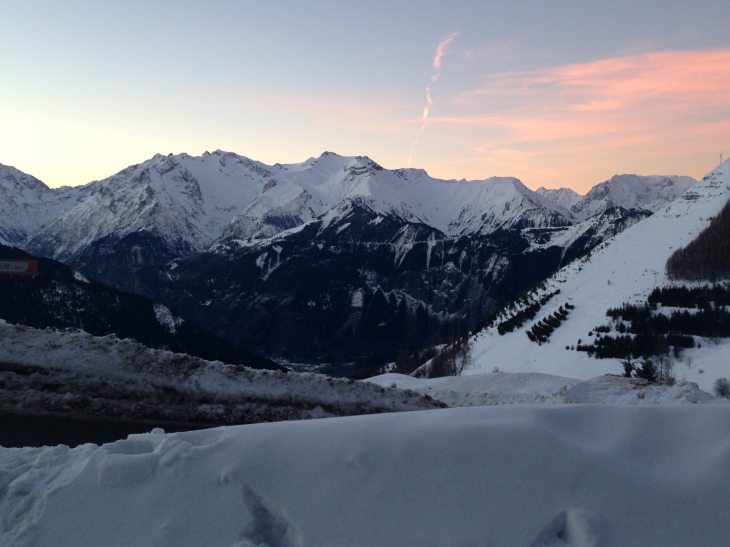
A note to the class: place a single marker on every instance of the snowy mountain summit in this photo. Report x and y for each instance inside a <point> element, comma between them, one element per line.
<point>184,201</point>
<point>190,202</point>
<point>302,192</point>
<point>627,191</point>
<point>26,204</point>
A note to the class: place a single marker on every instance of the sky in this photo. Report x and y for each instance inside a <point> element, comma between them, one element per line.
<point>559,93</point>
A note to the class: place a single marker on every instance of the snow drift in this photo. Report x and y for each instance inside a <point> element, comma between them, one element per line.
<point>499,388</point>
<point>578,475</point>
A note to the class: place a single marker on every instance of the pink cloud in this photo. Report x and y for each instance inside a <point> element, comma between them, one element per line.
<point>647,109</point>
<point>441,49</point>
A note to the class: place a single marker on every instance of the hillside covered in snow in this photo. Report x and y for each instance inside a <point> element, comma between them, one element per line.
<point>625,269</point>
<point>26,204</point>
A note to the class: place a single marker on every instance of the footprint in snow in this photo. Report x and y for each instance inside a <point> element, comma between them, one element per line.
<point>270,527</point>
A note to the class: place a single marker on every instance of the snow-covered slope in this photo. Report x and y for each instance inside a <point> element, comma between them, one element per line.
<point>26,204</point>
<point>624,269</point>
<point>633,192</point>
<point>187,201</point>
<point>627,191</point>
<point>499,388</point>
<point>78,375</point>
<point>508,476</point>
<point>565,197</point>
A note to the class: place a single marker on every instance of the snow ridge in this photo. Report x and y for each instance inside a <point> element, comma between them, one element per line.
<point>193,201</point>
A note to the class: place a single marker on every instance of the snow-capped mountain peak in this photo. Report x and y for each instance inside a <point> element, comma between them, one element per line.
<point>185,200</point>
<point>627,191</point>
<point>302,192</point>
<point>26,203</point>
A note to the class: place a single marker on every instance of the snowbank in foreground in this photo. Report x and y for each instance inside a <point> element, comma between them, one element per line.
<point>524,475</point>
<point>501,388</point>
<point>74,373</point>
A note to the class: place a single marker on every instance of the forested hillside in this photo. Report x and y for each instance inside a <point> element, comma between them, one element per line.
<point>706,258</point>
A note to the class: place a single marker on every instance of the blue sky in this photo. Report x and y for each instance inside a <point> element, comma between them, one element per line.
<point>556,92</point>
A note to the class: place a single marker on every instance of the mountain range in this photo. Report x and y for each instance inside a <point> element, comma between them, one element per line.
<point>333,260</point>
<point>589,301</point>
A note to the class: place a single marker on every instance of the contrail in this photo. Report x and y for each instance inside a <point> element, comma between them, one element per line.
<point>440,52</point>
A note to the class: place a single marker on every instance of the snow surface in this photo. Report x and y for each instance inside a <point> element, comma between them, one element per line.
<point>626,268</point>
<point>499,388</point>
<point>166,319</point>
<point>519,475</point>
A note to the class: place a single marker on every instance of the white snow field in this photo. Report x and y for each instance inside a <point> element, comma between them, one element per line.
<point>626,268</point>
<point>500,388</point>
<point>499,476</point>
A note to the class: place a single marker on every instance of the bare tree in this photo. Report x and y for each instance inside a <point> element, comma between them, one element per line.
<point>722,388</point>
<point>452,360</point>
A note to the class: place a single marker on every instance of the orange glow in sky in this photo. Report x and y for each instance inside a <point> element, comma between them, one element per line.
<point>666,112</point>
<point>558,94</point>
